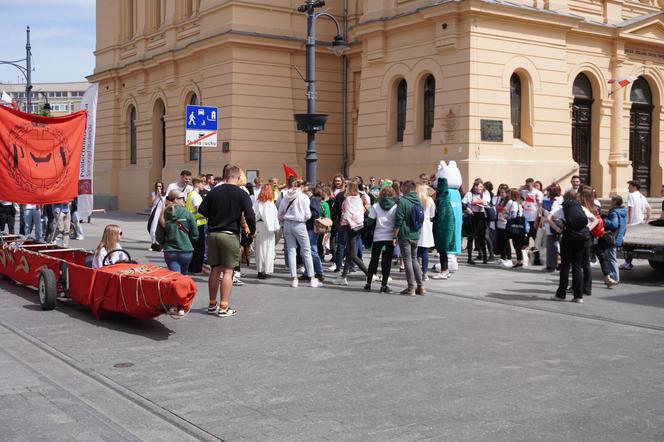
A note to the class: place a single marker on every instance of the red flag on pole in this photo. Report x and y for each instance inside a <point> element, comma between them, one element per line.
<point>41,156</point>
<point>289,172</point>
<point>621,82</point>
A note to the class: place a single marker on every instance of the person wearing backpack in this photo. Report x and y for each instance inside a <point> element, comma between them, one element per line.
<point>407,227</point>
<point>615,225</point>
<point>574,244</point>
<point>597,244</point>
<point>315,208</point>
<point>476,200</point>
<point>515,226</point>
<point>352,220</point>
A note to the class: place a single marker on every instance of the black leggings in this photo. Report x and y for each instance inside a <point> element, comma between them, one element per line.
<point>351,252</point>
<point>517,242</point>
<point>387,247</point>
<point>503,246</point>
<point>443,261</point>
<point>479,231</point>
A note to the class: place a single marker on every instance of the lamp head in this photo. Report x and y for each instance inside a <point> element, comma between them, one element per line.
<point>339,45</point>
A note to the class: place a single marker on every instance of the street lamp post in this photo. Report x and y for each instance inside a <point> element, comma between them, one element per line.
<point>27,70</point>
<point>312,122</point>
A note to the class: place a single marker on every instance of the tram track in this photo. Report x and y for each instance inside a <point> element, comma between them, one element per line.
<point>99,391</point>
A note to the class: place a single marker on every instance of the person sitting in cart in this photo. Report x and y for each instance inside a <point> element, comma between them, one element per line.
<point>110,241</point>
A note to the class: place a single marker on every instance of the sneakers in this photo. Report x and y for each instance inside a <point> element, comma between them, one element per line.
<point>408,292</point>
<point>425,277</point>
<point>441,275</point>
<point>226,312</point>
<point>315,283</point>
<point>626,266</point>
<point>385,289</point>
<point>340,280</point>
<point>332,268</point>
<point>557,298</point>
<point>375,278</point>
<point>609,281</point>
<point>213,309</point>
<point>295,282</point>
<point>237,282</point>
<point>420,291</point>
<point>578,300</point>
<point>319,277</point>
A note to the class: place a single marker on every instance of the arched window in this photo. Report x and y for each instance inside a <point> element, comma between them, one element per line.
<point>582,87</point>
<point>640,92</point>
<point>515,105</point>
<point>402,91</point>
<point>193,150</point>
<point>429,103</point>
<point>133,150</point>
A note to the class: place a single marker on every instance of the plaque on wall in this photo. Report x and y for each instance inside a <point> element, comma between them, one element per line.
<point>492,130</point>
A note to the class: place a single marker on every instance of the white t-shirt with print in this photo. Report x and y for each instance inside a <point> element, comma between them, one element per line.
<point>532,200</point>
<point>639,204</point>
<point>426,234</point>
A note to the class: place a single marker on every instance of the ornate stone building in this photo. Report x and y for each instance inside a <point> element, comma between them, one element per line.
<point>507,89</point>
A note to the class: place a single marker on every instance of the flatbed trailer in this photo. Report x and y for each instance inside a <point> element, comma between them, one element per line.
<point>645,242</point>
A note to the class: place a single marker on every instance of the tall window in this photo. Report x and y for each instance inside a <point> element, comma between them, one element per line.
<point>515,104</point>
<point>158,11</point>
<point>132,136</point>
<point>130,14</point>
<point>429,103</point>
<point>193,150</point>
<point>402,91</point>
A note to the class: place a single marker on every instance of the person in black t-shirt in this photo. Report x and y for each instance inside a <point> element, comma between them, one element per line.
<point>224,207</point>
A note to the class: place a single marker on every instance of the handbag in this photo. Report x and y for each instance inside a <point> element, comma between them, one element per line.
<point>322,226</point>
<point>515,227</point>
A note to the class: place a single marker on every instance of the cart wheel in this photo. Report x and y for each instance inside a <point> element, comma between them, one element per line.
<point>657,265</point>
<point>47,289</point>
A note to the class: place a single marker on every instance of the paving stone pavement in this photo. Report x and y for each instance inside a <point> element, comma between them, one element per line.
<point>484,356</point>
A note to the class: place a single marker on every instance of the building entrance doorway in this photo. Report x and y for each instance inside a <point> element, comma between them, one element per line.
<point>582,126</point>
<point>640,133</point>
<point>158,141</point>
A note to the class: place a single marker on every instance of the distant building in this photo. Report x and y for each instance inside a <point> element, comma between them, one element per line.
<point>64,98</point>
<point>507,89</point>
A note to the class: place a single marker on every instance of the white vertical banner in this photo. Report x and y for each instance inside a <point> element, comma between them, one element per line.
<point>85,188</point>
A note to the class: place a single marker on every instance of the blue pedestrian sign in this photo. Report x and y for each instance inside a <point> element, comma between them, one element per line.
<point>201,126</point>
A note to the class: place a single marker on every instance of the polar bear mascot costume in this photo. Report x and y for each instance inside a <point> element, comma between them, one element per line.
<point>448,228</point>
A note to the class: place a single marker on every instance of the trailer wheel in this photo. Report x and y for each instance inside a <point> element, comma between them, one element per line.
<point>47,289</point>
<point>657,265</point>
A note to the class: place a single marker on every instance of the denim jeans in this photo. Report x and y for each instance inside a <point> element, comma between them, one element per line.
<point>32,218</point>
<point>423,254</point>
<point>178,261</point>
<point>613,263</point>
<point>413,271</point>
<point>295,234</point>
<point>313,243</point>
<point>341,246</point>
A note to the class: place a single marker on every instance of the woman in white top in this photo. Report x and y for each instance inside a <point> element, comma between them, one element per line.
<point>426,234</point>
<point>267,224</point>
<point>503,249</point>
<point>475,201</point>
<point>157,200</point>
<point>552,202</point>
<point>294,212</point>
<point>383,214</point>
<point>514,214</point>
<point>110,240</point>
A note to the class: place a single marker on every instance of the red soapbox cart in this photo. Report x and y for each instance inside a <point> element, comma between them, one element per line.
<point>66,275</point>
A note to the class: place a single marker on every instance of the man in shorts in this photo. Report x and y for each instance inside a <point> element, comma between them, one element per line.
<point>224,207</point>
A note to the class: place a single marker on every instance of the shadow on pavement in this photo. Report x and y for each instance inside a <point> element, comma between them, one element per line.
<point>517,297</point>
<point>652,299</point>
<point>151,329</point>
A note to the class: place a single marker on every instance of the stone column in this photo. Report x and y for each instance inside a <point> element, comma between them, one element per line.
<point>618,157</point>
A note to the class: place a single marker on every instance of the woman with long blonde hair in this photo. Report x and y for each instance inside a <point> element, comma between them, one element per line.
<point>267,224</point>
<point>110,240</point>
<point>426,240</point>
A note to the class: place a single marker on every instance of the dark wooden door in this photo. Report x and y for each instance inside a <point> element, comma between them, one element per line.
<point>640,136</point>
<point>581,136</point>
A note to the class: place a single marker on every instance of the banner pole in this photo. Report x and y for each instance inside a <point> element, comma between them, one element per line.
<point>200,160</point>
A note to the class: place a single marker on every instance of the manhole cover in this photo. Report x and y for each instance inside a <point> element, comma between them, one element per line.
<point>123,365</point>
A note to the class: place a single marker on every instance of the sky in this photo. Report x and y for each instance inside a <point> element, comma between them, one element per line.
<point>62,35</point>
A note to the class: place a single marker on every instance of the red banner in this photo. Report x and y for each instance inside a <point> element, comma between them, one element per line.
<point>41,156</point>
<point>289,172</point>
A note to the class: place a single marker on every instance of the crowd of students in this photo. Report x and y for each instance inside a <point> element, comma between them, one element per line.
<point>52,223</point>
<point>211,224</point>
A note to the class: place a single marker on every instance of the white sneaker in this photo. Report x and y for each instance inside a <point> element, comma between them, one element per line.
<point>425,277</point>
<point>375,278</point>
<point>300,269</point>
<point>332,268</point>
<point>295,283</point>
<point>315,283</point>
<point>237,275</point>
<point>439,276</point>
<point>237,282</point>
<point>340,281</point>
<point>626,266</point>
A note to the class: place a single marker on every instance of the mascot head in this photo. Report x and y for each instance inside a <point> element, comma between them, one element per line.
<point>451,172</point>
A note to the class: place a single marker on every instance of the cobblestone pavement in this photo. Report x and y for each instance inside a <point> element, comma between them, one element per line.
<point>484,356</point>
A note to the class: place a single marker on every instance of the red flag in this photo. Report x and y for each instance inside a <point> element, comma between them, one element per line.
<point>621,82</point>
<point>41,156</point>
<point>289,172</point>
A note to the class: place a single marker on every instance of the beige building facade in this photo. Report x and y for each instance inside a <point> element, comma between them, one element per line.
<point>509,90</point>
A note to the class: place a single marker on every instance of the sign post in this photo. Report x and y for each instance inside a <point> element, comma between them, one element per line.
<point>201,129</point>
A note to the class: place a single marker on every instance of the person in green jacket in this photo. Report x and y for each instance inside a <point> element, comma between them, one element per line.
<point>177,232</point>
<point>407,235</point>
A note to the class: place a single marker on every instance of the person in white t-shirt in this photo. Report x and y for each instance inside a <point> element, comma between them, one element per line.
<point>532,200</point>
<point>383,214</point>
<point>638,212</point>
<point>110,240</point>
<point>183,184</point>
<point>426,240</point>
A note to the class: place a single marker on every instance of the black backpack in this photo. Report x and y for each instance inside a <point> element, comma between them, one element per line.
<point>576,222</point>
